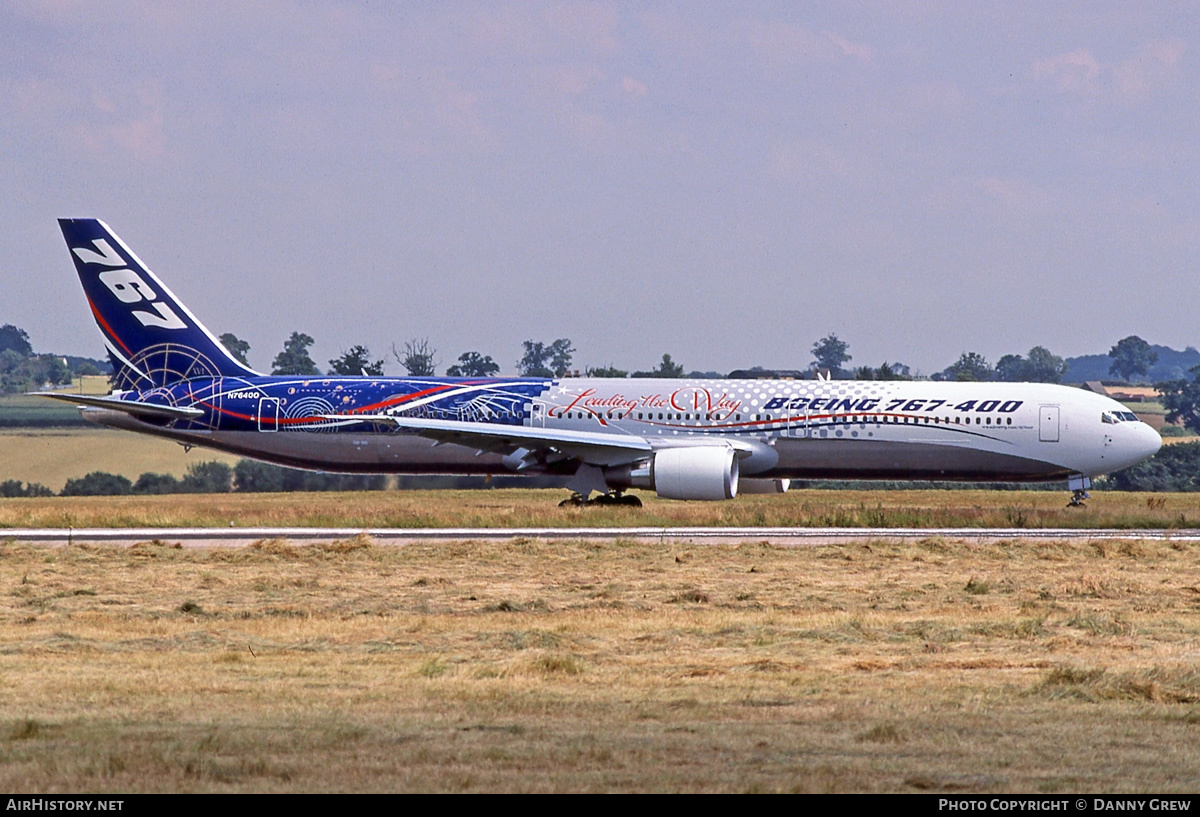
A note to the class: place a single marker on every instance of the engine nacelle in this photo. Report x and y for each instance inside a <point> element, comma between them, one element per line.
<point>764,486</point>
<point>702,472</point>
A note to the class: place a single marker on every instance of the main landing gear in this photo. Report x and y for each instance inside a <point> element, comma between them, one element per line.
<point>576,500</point>
<point>589,479</point>
<point>1077,498</point>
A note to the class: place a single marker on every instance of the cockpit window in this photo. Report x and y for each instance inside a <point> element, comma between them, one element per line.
<point>1119,417</point>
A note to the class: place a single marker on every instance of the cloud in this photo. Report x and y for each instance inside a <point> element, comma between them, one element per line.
<point>573,81</point>
<point>576,29</point>
<point>806,160</point>
<point>1071,73</point>
<point>587,25</point>
<point>632,87</point>
<point>787,44</point>
<point>1151,69</point>
<point>1080,72</point>
<point>131,123</point>
<point>859,51</point>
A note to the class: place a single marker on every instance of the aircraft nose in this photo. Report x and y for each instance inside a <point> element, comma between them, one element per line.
<point>1147,441</point>
<point>1130,444</point>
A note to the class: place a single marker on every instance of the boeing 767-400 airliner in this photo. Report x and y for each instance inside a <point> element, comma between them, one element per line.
<point>683,439</point>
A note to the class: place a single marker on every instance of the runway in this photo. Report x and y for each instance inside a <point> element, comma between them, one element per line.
<point>795,537</point>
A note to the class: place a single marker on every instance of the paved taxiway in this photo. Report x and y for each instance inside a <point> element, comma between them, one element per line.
<point>240,537</point>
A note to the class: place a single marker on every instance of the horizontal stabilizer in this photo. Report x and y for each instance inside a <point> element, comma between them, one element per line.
<point>128,406</point>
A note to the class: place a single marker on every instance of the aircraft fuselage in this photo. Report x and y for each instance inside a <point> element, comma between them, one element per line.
<point>787,428</point>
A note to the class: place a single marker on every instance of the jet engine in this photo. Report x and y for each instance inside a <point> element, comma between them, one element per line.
<point>702,472</point>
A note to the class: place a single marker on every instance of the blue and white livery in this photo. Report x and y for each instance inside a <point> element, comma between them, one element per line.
<point>683,439</point>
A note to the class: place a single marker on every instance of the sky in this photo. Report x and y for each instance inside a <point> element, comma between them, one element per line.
<point>723,182</point>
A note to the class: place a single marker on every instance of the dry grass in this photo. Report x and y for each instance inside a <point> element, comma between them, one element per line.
<point>537,508</point>
<point>615,666</point>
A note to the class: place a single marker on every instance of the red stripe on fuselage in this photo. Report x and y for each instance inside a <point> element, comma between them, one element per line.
<point>315,419</point>
<point>414,396</point>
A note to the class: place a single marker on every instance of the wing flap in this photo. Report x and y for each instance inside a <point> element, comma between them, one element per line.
<point>588,446</point>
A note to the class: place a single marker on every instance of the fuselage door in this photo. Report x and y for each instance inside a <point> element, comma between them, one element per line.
<point>537,414</point>
<point>268,414</point>
<point>1048,424</point>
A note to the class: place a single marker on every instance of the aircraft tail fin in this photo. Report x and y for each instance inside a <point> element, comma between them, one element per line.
<point>153,340</point>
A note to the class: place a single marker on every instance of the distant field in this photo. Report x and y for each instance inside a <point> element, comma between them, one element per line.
<point>1148,392</point>
<point>52,456</point>
<point>33,410</point>
<point>28,411</point>
<point>46,441</point>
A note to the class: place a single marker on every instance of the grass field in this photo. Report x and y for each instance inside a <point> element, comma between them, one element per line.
<point>934,666</point>
<point>507,508</point>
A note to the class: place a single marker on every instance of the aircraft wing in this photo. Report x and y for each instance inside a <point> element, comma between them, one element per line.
<point>134,407</point>
<point>588,446</point>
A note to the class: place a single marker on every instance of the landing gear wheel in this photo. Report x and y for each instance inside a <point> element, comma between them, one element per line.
<point>577,501</point>
<point>1077,498</point>
<point>616,498</point>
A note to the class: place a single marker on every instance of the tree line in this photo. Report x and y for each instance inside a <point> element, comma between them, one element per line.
<point>247,476</point>
<point>419,359</point>
<point>21,369</point>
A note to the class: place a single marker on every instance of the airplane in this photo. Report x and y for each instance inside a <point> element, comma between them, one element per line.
<point>686,439</point>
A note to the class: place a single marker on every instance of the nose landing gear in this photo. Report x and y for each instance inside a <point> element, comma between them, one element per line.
<point>1078,485</point>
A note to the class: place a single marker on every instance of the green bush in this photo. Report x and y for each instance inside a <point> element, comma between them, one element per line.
<point>252,476</point>
<point>98,483</point>
<point>13,488</point>
<point>150,483</point>
<point>207,478</point>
